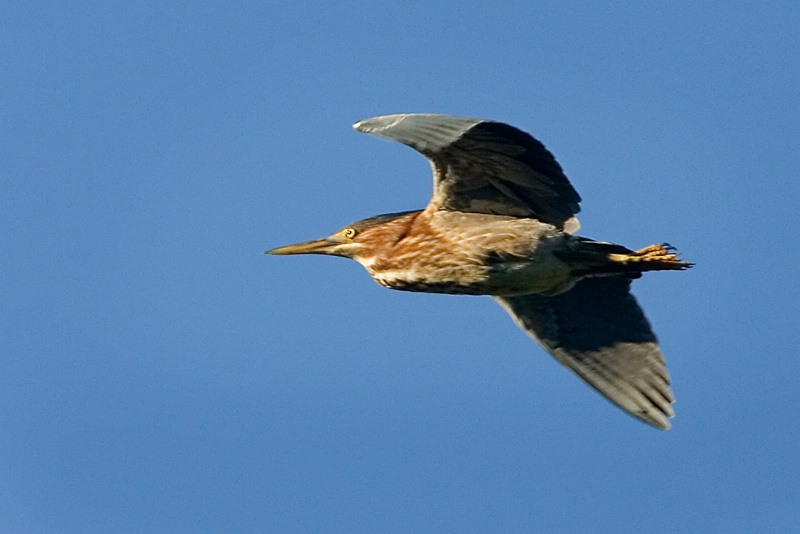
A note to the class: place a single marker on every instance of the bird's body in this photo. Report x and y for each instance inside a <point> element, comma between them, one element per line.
<point>468,254</point>
<point>501,223</point>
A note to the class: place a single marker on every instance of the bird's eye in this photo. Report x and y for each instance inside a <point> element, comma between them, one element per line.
<point>349,233</point>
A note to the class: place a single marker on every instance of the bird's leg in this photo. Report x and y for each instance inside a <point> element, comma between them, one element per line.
<point>653,258</point>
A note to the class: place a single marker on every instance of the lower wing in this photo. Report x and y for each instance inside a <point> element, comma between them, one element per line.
<point>598,330</point>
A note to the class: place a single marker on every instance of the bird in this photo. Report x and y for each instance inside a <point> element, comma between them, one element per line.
<point>502,222</point>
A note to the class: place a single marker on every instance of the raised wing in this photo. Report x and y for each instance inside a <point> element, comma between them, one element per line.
<point>482,166</point>
<point>599,331</point>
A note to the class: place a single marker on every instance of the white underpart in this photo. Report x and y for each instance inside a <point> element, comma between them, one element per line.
<point>572,225</point>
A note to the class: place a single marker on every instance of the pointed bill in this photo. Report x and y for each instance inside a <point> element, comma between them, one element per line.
<point>317,246</point>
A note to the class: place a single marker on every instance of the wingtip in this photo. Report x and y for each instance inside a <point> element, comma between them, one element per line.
<point>381,122</point>
<point>425,132</point>
<point>661,423</point>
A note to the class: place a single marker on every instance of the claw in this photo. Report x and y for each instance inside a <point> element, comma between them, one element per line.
<point>658,257</point>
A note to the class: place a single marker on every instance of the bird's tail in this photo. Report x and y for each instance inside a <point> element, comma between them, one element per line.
<point>595,258</point>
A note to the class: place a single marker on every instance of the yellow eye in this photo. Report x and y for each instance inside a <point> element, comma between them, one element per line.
<point>349,233</point>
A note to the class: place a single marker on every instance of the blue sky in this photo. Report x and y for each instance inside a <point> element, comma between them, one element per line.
<point>159,373</point>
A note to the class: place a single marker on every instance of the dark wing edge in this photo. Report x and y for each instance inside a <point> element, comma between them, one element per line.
<point>482,166</point>
<point>599,331</point>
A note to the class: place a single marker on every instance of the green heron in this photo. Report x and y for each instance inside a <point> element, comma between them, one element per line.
<point>501,223</point>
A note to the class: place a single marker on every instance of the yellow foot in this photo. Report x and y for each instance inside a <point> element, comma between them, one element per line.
<point>660,257</point>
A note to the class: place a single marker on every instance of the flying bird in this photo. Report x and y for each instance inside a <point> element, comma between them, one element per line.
<point>501,222</point>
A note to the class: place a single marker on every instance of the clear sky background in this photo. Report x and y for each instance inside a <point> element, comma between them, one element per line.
<point>159,373</point>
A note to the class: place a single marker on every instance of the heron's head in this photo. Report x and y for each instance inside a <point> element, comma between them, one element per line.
<point>360,240</point>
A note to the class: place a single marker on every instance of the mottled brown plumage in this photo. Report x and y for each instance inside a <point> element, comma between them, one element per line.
<point>501,223</point>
